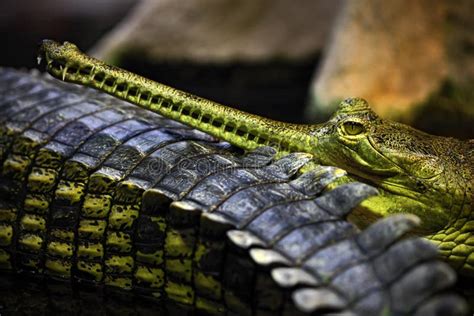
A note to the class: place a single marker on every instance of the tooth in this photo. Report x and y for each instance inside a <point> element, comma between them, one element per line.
<point>64,72</point>
<point>38,60</point>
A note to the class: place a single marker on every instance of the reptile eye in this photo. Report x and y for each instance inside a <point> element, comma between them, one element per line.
<point>353,128</point>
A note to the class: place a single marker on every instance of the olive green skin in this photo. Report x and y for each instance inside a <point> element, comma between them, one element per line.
<point>417,173</point>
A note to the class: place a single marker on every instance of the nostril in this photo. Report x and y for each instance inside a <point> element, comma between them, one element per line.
<point>44,44</point>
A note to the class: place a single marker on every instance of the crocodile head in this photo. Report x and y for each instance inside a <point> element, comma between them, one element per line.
<point>415,172</point>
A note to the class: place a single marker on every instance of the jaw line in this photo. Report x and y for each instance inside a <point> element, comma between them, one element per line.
<point>394,163</point>
<point>378,173</point>
<point>378,177</point>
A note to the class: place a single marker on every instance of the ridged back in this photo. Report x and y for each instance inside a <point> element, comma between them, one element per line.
<point>99,192</point>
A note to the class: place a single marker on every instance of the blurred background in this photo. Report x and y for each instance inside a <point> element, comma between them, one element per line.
<point>293,61</point>
<point>24,23</point>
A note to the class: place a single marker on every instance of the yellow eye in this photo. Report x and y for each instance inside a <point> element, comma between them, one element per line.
<point>353,128</point>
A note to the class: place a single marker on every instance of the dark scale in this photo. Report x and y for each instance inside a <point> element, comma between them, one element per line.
<point>22,90</point>
<point>28,144</point>
<point>10,79</point>
<point>143,214</point>
<point>65,196</point>
<point>28,108</point>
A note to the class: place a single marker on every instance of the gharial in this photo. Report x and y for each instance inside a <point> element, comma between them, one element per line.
<point>418,173</point>
<point>97,191</point>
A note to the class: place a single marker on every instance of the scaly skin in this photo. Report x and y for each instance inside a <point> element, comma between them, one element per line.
<point>417,173</point>
<point>94,190</point>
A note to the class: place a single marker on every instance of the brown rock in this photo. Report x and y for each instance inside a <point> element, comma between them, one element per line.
<point>222,30</point>
<point>396,54</point>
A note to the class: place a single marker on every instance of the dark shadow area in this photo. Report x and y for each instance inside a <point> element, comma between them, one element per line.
<point>275,89</point>
<point>444,113</point>
<point>23,24</point>
<point>27,295</point>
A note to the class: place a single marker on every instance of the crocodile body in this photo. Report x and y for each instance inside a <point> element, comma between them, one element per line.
<point>418,173</point>
<point>98,192</point>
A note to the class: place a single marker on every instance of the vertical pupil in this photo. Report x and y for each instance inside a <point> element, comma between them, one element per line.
<point>353,128</point>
